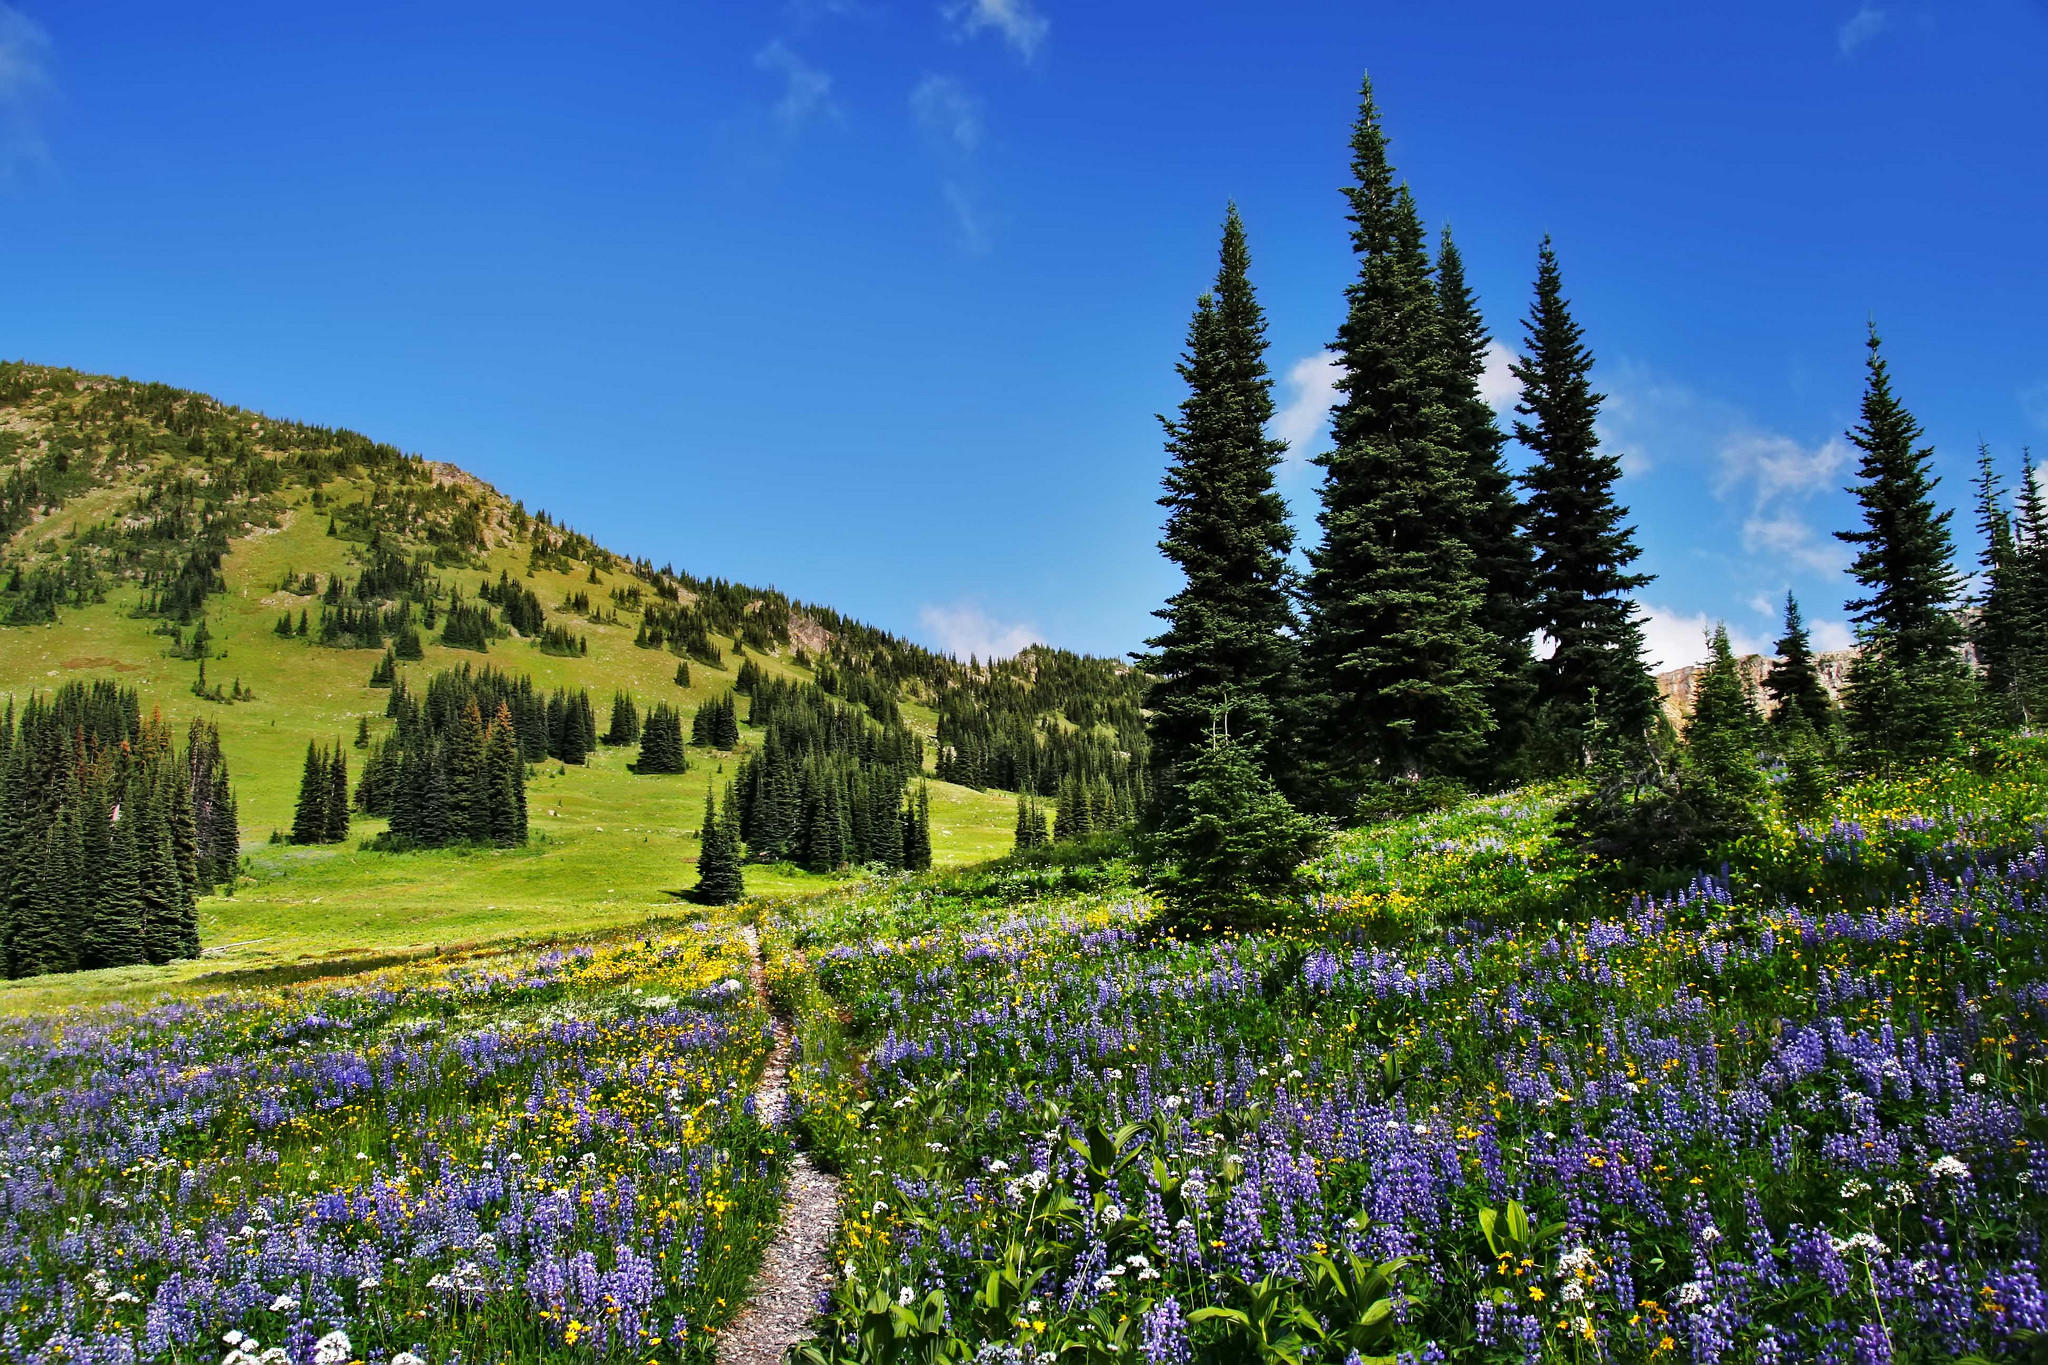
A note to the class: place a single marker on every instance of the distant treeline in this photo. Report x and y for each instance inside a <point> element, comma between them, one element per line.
<point>108,834</point>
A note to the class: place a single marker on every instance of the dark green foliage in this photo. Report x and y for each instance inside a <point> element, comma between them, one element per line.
<point>2029,578</point>
<point>1720,772</point>
<point>682,630</point>
<point>625,726</point>
<point>468,625</point>
<point>917,831</point>
<point>716,724</point>
<point>522,608</point>
<point>1909,693</point>
<point>720,878</point>
<point>1501,553</point>
<point>309,816</point>
<point>661,742</point>
<point>1029,723</point>
<point>1398,664</point>
<point>453,770</point>
<point>1228,846</point>
<point>1793,679</point>
<point>1581,537</point>
<point>336,830</point>
<point>1030,832</point>
<point>362,732</point>
<point>826,786</point>
<point>2006,631</point>
<point>1805,787</point>
<point>683,674</point>
<point>1229,636</point>
<point>572,725</point>
<point>107,833</point>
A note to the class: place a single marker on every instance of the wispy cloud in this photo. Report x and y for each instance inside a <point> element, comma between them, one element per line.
<point>1859,28</point>
<point>963,629</point>
<point>948,112</point>
<point>1020,25</point>
<point>1303,420</point>
<point>976,233</point>
<point>1776,475</point>
<point>806,90</point>
<point>1673,639</point>
<point>24,84</point>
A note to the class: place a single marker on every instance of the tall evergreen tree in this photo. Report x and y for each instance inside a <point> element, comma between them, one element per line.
<point>720,880</point>
<point>1908,691</point>
<point>625,726</point>
<point>1229,636</point>
<point>1723,784</point>
<point>337,797</point>
<point>1583,542</point>
<point>309,818</point>
<point>111,934</point>
<point>1398,661</point>
<point>1999,628</point>
<point>1793,679</point>
<point>1501,553</point>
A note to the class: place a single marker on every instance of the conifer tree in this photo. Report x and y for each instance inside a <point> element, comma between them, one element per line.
<point>309,818</point>
<point>1723,784</point>
<point>625,726</point>
<point>1230,845</point>
<point>1030,832</point>
<point>917,831</point>
<point>1908,690</point>
<point>111,934</point>
<point>1793,679</point>
<point>661,742</point>
<point>720,880</point>
<point>1999,628</point>
<point>336,825</point>
<point>1229,636</point>
<point>2030,594</point>
<point>1397,660</point>
<point>40,938</point>
<point>1580,535</point>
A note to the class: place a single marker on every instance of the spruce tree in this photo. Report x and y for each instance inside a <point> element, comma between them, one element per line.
<point>1397,660</point>
<point>1501,553</point>
<point>625,726</point>
<point>1581,537</point>
<point>1999,628</point>
<point>1230,845</point>
<point>1723,784</point>
<point>2030,594</point>
<point>1229,636</point>
<point>1908,689</point>
<point>40,940</point>
<point>1793,679</point>
<point>917,831</point>
<point>720,879</point>
<point>309,817</point>
<point>337,797</point>
<point>111,930</point>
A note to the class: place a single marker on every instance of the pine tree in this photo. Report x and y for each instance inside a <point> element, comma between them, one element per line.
<point>1030,831</point>
<point>1908,689</point>
<point>625,726</point>
<point>661,742</point>
<point>1501,554</point>
<point>720,880</point>
<point>917,831</point>
<point>39,940</point>
<point>1723,784</point>
<point>309,819</point>
<point>111,934</point>
<point>2030,592</point>
<point>1397,659</point>
<point>1793,679</point>
<point>1999,628</point>
<point>683,673</point>
<point>468,789</point>
<point>1582,541</point>
<point>1229,634</point>
<point>1230,845</point>
<point>336,824</point>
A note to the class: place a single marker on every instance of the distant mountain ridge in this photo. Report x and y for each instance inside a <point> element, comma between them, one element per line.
<point>1675,686</point>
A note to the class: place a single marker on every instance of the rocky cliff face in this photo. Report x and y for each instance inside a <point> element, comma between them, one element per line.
<point>1676,686</point>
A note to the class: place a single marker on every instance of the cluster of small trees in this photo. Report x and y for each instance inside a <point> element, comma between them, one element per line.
<point>661,742</point>
<point>716,725</point>
<point>1029,723</point>
<point>453,771</point>
<point>322,813</point>
<point>625,726</point>
<point>108,835</point>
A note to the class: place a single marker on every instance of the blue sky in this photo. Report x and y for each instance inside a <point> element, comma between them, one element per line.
<point>875,300</point>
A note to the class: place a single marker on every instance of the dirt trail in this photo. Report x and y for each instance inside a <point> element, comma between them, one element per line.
<point>784,1295</point>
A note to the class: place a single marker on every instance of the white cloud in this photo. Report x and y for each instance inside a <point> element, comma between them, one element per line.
<point>975,234</point>
<point>1497,386</point>
<point>24,83</point>
<point>948,112</point>
<point>1303,420</point>
<point>1673,639</point>
<point>1829,636</point>
<point>1021,26</point>
<point>1776,474</point>
<point>964,629</point>
<point>1789,538</point>
<point>1859,28</point>
<point>806,91</point>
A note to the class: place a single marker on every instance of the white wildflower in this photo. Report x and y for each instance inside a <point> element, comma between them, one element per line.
<point>284,1303</point>
<point>1948,1168</point>
<point>407,1358</point>
<point>333,1349</point>
<point>905,1296</point>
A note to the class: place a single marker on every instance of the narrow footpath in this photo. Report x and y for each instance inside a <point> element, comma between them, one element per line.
<point>794,1270</point>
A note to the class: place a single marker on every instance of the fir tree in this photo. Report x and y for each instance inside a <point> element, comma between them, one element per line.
<point>1793,679</point>
<point>1908,689</point>
<point>309,819</point>
<point>1999,630</point>
<point>625,726</point>
<point>917,831</point>
<point>1229,633</point>
<point>335,829</point>
<point>40,938</point>
<point>661,742</point>
<point>1582,541</point>
<point>111,932</point>
<point>720,879</point>
<point>1501,554</point>
<point>1030,831</point>
<point>1397,659</point>
<point>1230,845</point>
<point>1723,784</point>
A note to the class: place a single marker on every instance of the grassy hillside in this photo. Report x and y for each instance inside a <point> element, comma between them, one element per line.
<point>91,460</point>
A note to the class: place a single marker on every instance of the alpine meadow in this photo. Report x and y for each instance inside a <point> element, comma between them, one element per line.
<point>433,936</point>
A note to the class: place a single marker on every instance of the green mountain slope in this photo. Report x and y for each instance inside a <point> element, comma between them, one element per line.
<point>145,527</point>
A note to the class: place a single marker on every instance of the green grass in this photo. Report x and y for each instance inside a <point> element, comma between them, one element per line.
<point>608,848</point>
